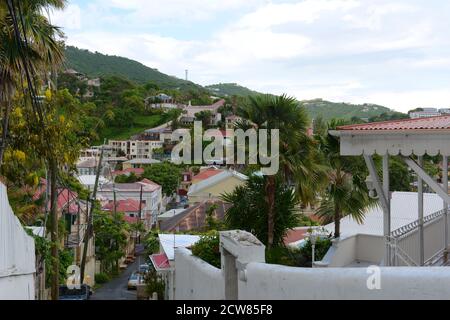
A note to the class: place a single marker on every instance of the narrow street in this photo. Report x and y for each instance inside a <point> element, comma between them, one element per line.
<point>116,289</point>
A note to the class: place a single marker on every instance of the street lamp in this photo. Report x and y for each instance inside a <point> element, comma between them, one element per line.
<point>372,192</point>
<point>313,238</point>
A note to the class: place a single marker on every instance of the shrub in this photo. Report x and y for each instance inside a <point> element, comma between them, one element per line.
<point>322,246</point>
<point>151,243</point>
<point>155,283</point>
<point>102,278</point>
<point>207,248</point>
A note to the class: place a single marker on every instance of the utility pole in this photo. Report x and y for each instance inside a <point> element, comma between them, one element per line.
<point>114,199</point>
<point>54,230</point>
<point>140,214</point>
<point>88,233</point>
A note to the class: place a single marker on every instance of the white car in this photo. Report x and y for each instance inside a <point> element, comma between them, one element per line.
<point>134,280</point>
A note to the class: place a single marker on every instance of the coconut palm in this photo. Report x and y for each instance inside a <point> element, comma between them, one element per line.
<point>297,166</point>
<point>346,193</point>
<point>40,47</point>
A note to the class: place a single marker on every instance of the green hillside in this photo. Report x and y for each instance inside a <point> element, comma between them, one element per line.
<point>329,110</point>
<point>97,64</point>
<point>230,89</point>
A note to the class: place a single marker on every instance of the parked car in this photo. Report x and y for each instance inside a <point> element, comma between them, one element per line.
<point>145,268</point>
<point>134,279</point>
<point>83,293</point>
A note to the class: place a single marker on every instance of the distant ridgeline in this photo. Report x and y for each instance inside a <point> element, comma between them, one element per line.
<point>98,65</point>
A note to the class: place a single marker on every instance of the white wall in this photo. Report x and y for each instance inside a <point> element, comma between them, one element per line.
<point>17,255</point>
<point>195,279</point>
<point>266,281</point>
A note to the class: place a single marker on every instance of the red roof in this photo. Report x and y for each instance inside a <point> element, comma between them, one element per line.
<point>205,174</point>
<point>128,205</point>
<point>295,235</point>
<point>66,197</point>
<point>131,219</point>
<point>431,123</point>
<point>160,261</point>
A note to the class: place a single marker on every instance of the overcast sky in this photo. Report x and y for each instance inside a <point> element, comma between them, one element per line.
<point>390,52</point>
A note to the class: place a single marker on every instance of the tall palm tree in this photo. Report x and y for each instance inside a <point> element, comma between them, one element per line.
<point>297,167</point>
<point>40,44</point>
<point>346,193</point>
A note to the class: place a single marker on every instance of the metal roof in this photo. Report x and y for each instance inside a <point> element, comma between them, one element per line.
<point>171,241</point>
<point>404,210</point>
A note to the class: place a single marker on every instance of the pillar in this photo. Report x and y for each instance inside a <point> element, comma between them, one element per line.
<point>420,209</point>
<point>445,187</point>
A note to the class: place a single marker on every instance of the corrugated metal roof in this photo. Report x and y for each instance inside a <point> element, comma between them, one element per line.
<point>432,123</point>
<point>404,210</point>
<point>170,241</point>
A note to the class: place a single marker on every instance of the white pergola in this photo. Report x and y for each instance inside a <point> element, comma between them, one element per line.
<point>406,138</point>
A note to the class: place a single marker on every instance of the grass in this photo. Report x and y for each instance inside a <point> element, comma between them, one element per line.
<point>141,123</point>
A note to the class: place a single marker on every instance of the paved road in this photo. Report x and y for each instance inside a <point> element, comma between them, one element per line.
<point>117,288</point>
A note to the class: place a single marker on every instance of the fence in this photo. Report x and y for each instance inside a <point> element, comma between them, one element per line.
<point>405,241</point>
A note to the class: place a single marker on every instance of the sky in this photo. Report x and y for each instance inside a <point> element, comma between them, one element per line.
<point>394,53</point>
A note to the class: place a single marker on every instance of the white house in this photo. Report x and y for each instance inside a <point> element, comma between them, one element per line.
<point>151,196</point>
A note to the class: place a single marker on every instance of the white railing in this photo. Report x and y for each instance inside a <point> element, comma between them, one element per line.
<point>405,243</point>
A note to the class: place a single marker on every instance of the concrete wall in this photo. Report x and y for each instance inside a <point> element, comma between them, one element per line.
<point>195,279</point>
<point>249,278</point>
<point>286,283</point>
<point>361,247</point>
<point>17,255</point>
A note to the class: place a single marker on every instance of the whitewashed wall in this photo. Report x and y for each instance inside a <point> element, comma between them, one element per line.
<point>17,256</point>
<point>266,281</point>
<point>195,279</point>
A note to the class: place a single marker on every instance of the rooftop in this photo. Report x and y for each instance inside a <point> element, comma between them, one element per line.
<point>171,241</point>
<point>206,183</point>
<point>127,205</point>
<point>142,161</point>
<point>194,218</point>
<point>147,186</point>
<point>431,123</point>
<point>404,210</point>
<point>205,174</point>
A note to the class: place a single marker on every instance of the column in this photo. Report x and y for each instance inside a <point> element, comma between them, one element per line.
<point>420,209</point>
<point>387,212</point>
<point>445,187</point>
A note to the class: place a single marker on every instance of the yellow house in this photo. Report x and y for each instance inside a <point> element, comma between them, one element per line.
<point>213,187</point>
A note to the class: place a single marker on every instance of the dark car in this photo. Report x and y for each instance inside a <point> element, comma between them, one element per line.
<point>83,293</point>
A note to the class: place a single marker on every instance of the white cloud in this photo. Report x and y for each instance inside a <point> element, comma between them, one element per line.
<point>69,19</point>
<point>344,50</point>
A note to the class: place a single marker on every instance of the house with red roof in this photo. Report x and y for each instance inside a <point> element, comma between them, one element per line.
<point>152,203</point>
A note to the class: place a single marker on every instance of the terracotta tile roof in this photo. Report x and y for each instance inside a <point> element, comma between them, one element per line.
<point>194,218</point>
<point>131,219</point>
<point>205,174</point>
<point>431,123</point>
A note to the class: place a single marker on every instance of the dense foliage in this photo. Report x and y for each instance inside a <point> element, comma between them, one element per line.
<point>165,174</point>
<point>207,248</point>
<point>250,210</point>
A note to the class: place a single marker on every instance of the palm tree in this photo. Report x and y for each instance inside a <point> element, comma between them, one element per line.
<point>346,193</point>
<point>297,167</point>
<point>42,50</point>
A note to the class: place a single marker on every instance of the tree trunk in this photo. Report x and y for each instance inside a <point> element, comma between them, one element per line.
<point>337,222</point>
<point>54,230</point>
<point>5,125</point>
<point>270,199</point>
